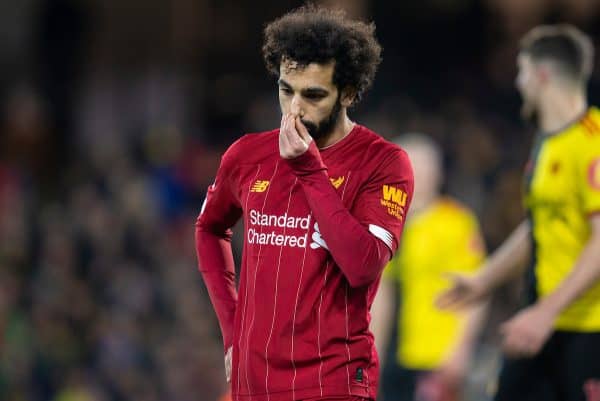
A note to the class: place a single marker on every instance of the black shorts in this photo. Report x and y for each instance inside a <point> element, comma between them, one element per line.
<point>399,383</point>
<point>402,384</point>
<point>567,369</point>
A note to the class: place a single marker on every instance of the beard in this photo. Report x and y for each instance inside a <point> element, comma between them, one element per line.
<point>326,126</point>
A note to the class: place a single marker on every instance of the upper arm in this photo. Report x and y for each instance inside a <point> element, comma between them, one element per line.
<point>382,204</point>
<point>222,208</point>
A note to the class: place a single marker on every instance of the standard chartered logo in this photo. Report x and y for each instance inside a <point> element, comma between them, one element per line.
<point>318,241</point>
<point>270,236</point>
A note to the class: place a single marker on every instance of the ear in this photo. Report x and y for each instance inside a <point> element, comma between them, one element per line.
<point>347,96</point>
<point>543,72</point>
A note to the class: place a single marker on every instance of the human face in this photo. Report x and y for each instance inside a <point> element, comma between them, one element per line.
<point>528,83</point>
<point>309,92</point>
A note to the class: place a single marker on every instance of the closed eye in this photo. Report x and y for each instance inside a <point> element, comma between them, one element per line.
<point>314,96</point>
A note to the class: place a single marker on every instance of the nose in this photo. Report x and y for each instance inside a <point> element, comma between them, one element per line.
<point>296,106</point>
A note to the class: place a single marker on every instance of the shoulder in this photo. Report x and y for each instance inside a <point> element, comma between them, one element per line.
<point>589,129</point>
<point>583,133</point>
<point>251,147</point>
<point>454,210</point>
<point>591,120</point>
<point>379,150</point>
<point>376,144</point>
<point>450,220</point>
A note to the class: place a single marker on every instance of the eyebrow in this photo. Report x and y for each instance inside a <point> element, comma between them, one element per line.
<point>281,82</point>
<point>314,90</point>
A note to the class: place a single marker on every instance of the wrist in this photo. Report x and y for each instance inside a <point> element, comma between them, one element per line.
<point>308,162</point>
<point>484,283</point>
<point>550,306</point>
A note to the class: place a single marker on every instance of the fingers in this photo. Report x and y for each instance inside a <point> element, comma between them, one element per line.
<point>284,143</point>
<point>286,146</point>
<point>455,299</point>
<point>447,300</point>
<point>302,131</point>
<point>464,292</point>
<point>228,357</point>
<point>515,346</point>
<point>457,296</point>
<point>517,342</point>
<point>291,143</point>
<point>453,277</point>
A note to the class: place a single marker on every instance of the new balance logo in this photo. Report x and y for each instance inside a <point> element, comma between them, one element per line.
<point>394,194</point>
<point>259,186</point>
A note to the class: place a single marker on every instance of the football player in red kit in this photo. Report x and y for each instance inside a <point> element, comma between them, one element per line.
<point>323,200</point>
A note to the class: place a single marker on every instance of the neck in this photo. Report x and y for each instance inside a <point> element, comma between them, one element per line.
<point>341,129</point>
<point>559,107</point>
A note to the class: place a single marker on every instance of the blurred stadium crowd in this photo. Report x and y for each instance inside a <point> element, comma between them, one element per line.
<point>114,115</point>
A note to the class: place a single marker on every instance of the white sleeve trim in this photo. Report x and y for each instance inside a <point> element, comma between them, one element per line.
<point>203,205</point>
<point>211,188</point>
<point>382,234</point>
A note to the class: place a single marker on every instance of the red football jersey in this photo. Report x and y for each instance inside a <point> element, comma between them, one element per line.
<point>297,327</point>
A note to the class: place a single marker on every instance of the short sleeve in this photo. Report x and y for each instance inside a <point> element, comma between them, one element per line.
<point>589,176</point>
<point>383,202</point>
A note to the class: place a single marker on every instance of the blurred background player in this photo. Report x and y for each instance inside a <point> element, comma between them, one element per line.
<point>554,342</point>
<point>441,235</point>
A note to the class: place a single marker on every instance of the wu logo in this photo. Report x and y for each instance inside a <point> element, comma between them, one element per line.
<point>337,182</point>
<point>394,194</point>
<point>259,186</point>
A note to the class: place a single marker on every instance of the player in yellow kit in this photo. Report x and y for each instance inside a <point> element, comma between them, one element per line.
<point>440,236</point>
<point>553,343</point>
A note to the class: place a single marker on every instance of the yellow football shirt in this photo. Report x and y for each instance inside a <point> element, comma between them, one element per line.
<point>444,237</point>
<point>562,190</point>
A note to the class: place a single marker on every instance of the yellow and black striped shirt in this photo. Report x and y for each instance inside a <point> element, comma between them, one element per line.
<point>562,190</point>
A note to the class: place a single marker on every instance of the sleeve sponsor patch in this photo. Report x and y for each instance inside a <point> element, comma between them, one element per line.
<point>594,174</point>
<point>394,200</point>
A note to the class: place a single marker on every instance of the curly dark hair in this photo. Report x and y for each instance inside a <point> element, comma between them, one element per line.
<point>313,34</point>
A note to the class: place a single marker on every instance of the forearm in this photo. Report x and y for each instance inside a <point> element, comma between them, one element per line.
<point>585,274</point>
<point>215,262</point>
<point>509,260</point>
<point>358,253</point>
